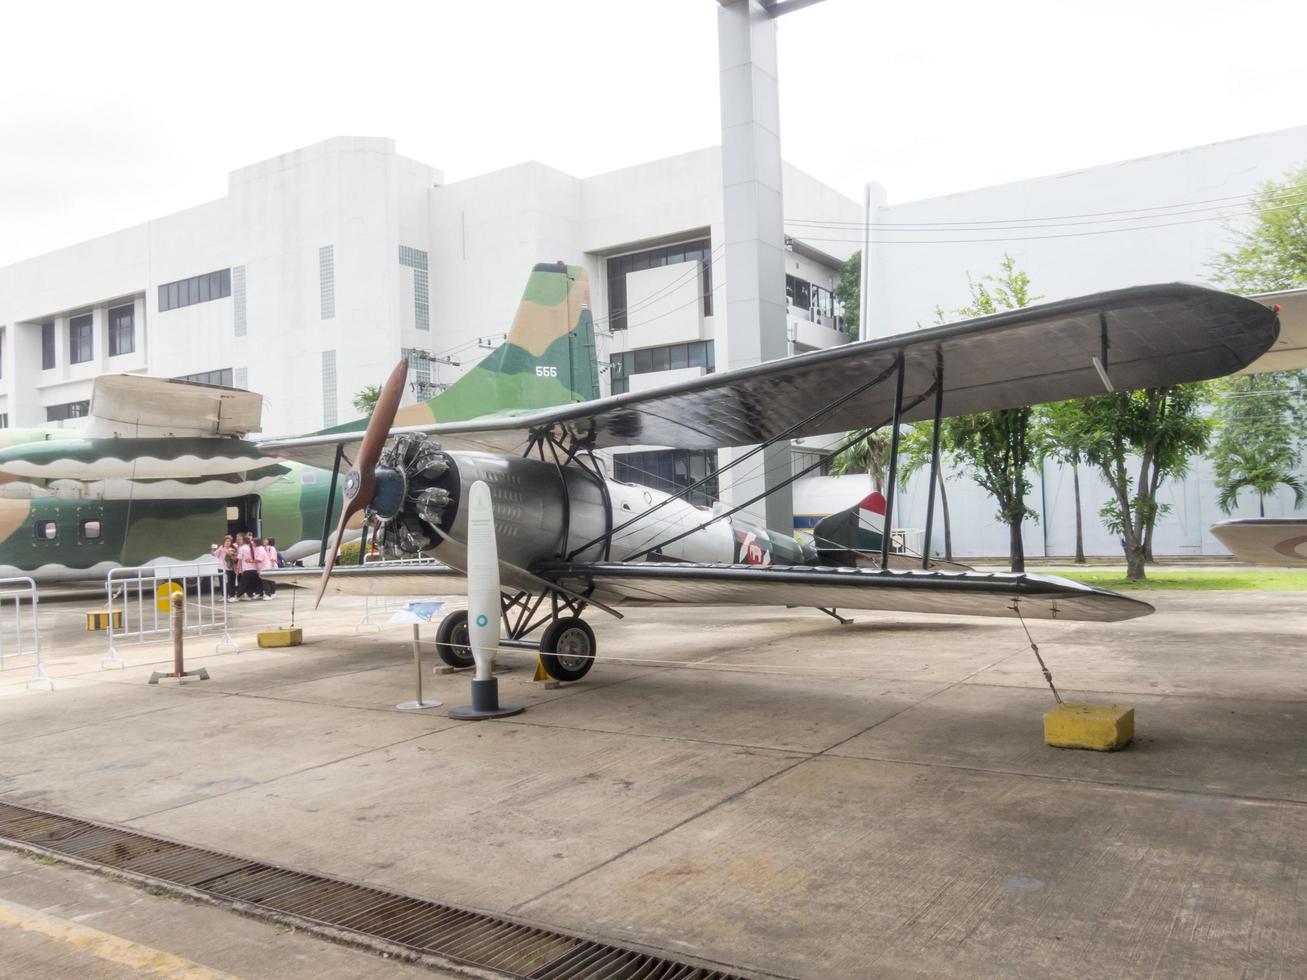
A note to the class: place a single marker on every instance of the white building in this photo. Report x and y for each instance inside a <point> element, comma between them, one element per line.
<point>307,280</point>
<point>1161,218</point>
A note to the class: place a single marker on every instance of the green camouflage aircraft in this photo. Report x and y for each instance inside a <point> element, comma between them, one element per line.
<point>126,494</point>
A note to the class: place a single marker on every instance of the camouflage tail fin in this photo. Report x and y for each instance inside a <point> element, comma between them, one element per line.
<point>547,359</point>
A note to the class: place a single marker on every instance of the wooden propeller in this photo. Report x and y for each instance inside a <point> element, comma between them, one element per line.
<point>361,480</point>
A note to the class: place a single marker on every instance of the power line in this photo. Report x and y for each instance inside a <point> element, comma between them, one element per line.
<point>1290,195</point>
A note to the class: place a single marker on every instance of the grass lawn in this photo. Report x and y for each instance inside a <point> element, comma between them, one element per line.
<point>1286,580</point>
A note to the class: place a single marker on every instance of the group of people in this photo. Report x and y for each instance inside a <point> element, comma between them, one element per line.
<point>245,557</point>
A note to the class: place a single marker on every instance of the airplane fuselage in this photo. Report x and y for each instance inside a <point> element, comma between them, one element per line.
<point>74,538</point>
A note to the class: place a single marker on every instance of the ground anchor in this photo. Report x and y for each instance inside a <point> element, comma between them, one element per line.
<point>1100,727</point>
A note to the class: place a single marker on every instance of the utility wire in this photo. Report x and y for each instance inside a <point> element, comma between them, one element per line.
<point>1166,211</point>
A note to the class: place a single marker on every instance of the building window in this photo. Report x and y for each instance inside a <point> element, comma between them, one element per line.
<point>416,259</point>
<point>647,360</point>
<point>4,420</point>
<point>88,530</point>
<point>47,346</point>
<point>81,339</point>
<point>327,282</point>
<point>68,410</point>
<point>46,530</point>
<point>238,300</point>
<point>670,470</point>
<point>328,389</point>
<point>816,301</point>
<point>197,289</point>
<point>122,330</point>
<point>224,378</point>
<point>619,265</point>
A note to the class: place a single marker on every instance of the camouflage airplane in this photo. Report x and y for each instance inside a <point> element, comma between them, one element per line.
<point>163,468</point>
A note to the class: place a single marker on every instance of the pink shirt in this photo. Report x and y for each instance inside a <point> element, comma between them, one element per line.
<point>263,558</point>
<point>248,561</point>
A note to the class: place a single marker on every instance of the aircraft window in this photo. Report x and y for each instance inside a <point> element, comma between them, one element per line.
<point>46,530</point>
<point>89,530</point>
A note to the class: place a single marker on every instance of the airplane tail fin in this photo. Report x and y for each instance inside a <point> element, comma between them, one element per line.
<point>547,359</point>
<point>853,537</point>
<point>858,529</point>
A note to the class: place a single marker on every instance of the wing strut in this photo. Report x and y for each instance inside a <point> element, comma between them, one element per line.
<point>821,461</point>
<point>934,458</point>
<point>331,504</point>
<point>788,433</point>
<point>893,465</point>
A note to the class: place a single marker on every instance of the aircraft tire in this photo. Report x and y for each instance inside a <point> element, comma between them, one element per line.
<point>567,649</point>
<point>453,644</point>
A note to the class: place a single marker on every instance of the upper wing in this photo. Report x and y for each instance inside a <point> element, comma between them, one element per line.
<point>1151,335</point>
<point>130,405</point>
<point>955,593</point>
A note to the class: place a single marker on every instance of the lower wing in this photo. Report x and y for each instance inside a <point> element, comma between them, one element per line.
<point>966,593</point>
<point>404,579</point>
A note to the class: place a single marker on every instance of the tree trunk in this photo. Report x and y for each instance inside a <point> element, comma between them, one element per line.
<point>948,528</point>
<point>1261,506</point>
<point>1153,484</point>
<point>1134,563</point>
<point>1016,547</point>
<point>1080,528</point>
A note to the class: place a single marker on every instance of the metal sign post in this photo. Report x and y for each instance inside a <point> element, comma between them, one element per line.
<point>177,614</point>
<point>417,704</point>
<point>417,612</point>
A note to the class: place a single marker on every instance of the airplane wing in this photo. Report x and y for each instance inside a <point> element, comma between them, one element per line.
<point>1289,352</point>
<point>401,579</point>
<point>1143,336</point>
<point>948,593</point>
<point>131,405</point>
<point>1265,540</point>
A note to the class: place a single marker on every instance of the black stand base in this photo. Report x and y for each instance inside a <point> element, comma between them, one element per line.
<point>485,703</point>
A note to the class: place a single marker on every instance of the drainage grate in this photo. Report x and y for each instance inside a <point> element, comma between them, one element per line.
<point>415,924</point>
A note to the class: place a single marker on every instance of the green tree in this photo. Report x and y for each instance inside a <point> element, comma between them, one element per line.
<point>1136,439</point>
<point>1258,447</point>
<point>996,447</point>
<point>1260,415</point>
<point>365,401</point>
<point>915,446</point>
<point>870,455</point>
<point>1060,440</point>
<point>1271,252</point>
<point>849,291</point>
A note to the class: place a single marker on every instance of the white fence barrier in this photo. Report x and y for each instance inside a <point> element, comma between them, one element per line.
<point>22,639</point>
<point>142,598</point>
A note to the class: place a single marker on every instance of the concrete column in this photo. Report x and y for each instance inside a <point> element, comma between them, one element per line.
<point>754,233</point>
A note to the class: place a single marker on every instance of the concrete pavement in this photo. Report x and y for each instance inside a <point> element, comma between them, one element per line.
<point>764,788</point>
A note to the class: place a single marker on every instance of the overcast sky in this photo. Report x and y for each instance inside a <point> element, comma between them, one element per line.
<point>111,114</point>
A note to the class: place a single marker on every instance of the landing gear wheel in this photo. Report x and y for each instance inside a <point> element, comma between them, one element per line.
<point>453,643</point>
<point>567,649</point>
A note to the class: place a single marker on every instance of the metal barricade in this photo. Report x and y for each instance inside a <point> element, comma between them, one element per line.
<point>24,639</point>
<point>386,603</point>
<point>141,598</point>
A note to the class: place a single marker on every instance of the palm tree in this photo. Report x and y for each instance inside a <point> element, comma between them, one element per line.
<point>365,399</point>
<point>870,455</point>
<point>1258,471</point>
